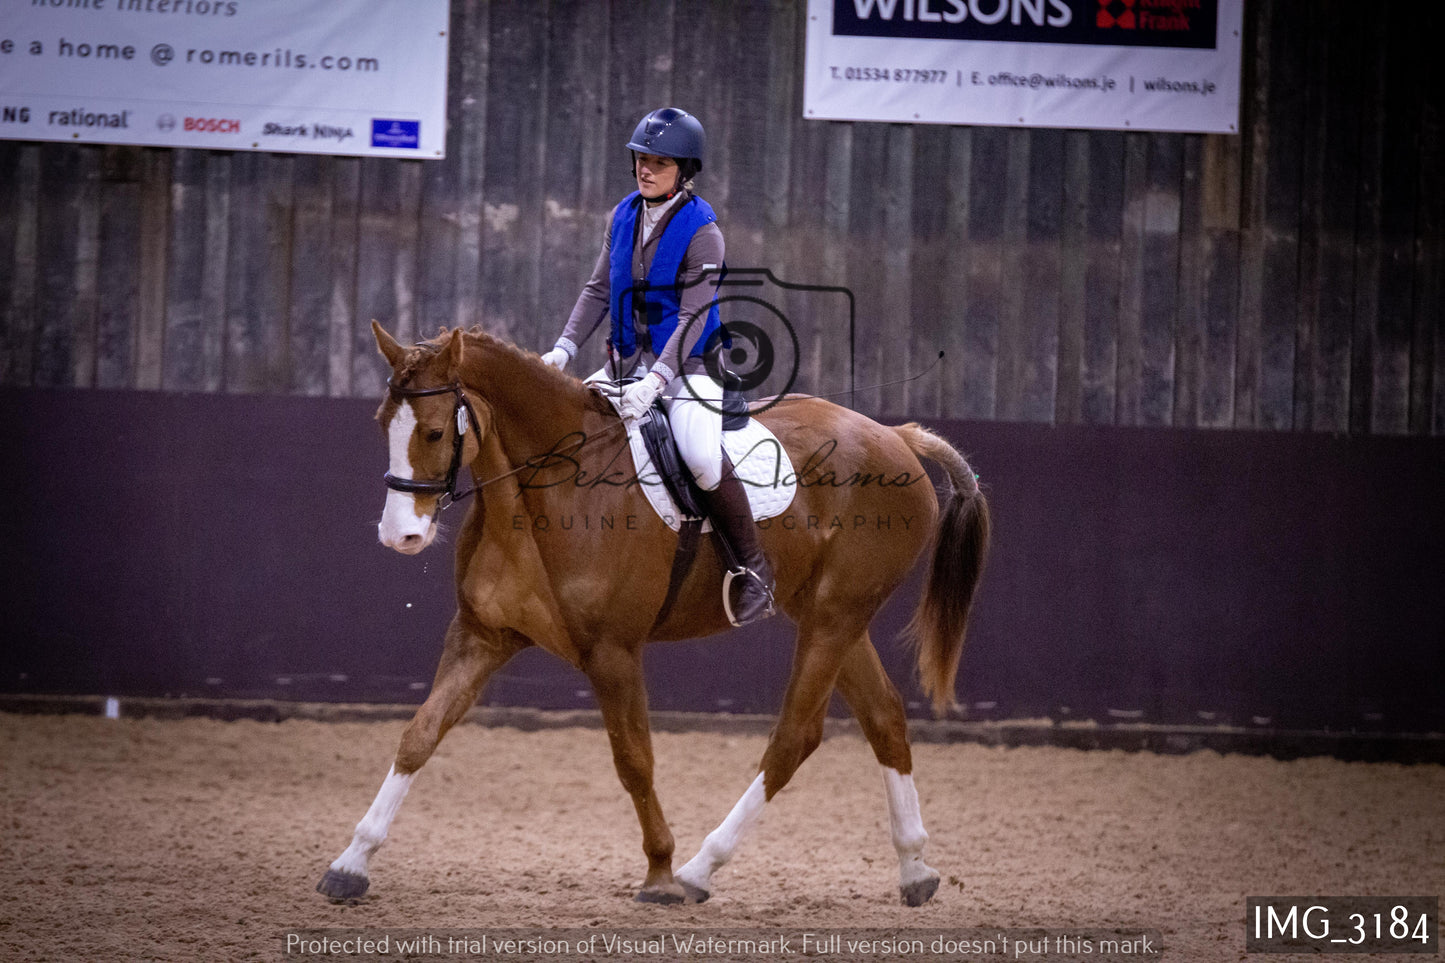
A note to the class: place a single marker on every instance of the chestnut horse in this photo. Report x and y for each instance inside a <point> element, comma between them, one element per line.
<point>591,592</point>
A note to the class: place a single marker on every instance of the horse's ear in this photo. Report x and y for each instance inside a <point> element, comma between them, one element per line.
<point>390,349</point>
<point>453,351</point>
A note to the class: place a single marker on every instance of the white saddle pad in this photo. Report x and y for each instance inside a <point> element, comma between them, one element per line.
<point>758,460</point>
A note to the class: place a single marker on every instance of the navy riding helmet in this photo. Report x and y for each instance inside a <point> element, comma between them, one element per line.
<point>670,132</point>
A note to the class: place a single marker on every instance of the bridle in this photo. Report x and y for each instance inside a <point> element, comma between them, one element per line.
<point>462,415</point>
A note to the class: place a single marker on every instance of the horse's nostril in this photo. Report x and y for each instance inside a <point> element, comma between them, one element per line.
<point>409,541</point>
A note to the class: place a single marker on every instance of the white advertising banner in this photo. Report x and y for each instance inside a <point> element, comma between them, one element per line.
<point>1162,65</point>
<point>355,77</point>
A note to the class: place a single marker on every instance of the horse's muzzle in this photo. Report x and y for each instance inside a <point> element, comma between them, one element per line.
<point>402,529</point>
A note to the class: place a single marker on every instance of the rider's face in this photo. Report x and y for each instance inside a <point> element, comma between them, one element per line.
<point>656,176</point>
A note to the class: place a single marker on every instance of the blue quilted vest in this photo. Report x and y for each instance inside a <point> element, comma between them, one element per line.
<point>661,292</point>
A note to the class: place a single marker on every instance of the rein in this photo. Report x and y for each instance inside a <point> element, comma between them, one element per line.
<point>464,414</point>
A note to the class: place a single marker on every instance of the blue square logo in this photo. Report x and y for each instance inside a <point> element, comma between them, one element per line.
<point>396,133</point>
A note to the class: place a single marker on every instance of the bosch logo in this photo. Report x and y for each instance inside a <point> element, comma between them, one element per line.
<point>213,125</point>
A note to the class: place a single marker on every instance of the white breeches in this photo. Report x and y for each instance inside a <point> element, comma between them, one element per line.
<point>694,409</point>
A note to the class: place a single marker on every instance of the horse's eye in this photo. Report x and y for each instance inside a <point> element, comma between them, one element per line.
<point>434,435</point>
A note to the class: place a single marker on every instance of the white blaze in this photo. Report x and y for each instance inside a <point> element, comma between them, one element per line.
<point>401,527</point>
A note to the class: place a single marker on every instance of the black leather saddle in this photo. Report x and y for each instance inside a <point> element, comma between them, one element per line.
<point>677,478</point>
<point>661,447</point>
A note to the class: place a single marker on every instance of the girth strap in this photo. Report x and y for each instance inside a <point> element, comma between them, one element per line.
<point>682,559</point>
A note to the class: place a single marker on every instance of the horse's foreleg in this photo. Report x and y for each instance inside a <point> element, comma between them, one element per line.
<point>879,709</point>
<point>616,676</point>
<point>798,732</point>
<point>467,661</point>
<point>347,877</point>
<point>721,843</point>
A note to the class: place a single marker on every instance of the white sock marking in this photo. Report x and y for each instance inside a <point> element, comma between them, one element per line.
<point>906,823</point>
<point>371,831</point>
<point>722,842</point>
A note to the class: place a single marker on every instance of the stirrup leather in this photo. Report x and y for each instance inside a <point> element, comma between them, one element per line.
<point>727,595</point>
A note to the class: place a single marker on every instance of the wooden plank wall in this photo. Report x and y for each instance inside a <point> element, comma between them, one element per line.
<point>1288,278</point>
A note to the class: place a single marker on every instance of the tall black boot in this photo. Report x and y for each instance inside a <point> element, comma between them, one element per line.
<point>748,586</point>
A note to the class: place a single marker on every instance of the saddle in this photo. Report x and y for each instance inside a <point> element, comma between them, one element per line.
<point>677,478</point>
<point>661,446</point>
<point>757,457</point>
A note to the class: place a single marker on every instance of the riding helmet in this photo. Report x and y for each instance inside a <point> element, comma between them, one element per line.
<point>669,132</point>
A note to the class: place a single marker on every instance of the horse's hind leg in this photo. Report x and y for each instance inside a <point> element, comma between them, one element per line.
<point>798,732</point>
<point>467,661</point>
<point>616,676</point>
<point>879,709</point>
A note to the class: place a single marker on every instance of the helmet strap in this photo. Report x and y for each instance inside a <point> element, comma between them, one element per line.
<point>677,184</point>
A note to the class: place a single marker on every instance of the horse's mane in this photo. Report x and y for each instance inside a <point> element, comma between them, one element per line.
<point>555,383</point>
<point>417,356</point>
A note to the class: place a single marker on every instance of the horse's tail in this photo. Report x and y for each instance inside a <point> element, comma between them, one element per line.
<point>960,547</point>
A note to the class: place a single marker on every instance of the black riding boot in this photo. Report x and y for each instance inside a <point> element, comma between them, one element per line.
<point>748,587</point>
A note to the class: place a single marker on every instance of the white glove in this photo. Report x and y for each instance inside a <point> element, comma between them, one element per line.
<point>639,396</point>
<point>557,358</point>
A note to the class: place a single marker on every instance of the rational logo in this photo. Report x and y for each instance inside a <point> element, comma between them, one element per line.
<point>396,133</point>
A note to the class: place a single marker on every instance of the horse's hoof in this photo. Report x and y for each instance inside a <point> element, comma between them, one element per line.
<point>338,885</point>
<point>669,894</point>
<point>694,894</point>
<point>919,891</point>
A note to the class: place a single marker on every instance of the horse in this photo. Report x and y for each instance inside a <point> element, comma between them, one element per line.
<point>594,593</point>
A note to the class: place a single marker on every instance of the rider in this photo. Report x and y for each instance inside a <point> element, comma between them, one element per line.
<point>661,260</point>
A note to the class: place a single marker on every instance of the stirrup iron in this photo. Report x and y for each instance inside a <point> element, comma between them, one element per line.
<point>727,595</point>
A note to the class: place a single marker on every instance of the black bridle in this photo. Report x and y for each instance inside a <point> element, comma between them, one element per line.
<point>462,410</point>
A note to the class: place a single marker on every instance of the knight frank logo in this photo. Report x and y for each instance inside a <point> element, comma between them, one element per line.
<point>1178,17</point>
<point>1113,23</point>
<point>1108,18</point>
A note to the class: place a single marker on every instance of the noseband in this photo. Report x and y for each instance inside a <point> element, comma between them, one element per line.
<point>461,413</point>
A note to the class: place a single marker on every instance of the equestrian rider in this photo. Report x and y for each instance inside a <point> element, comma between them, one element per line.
<point>657,275</point>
